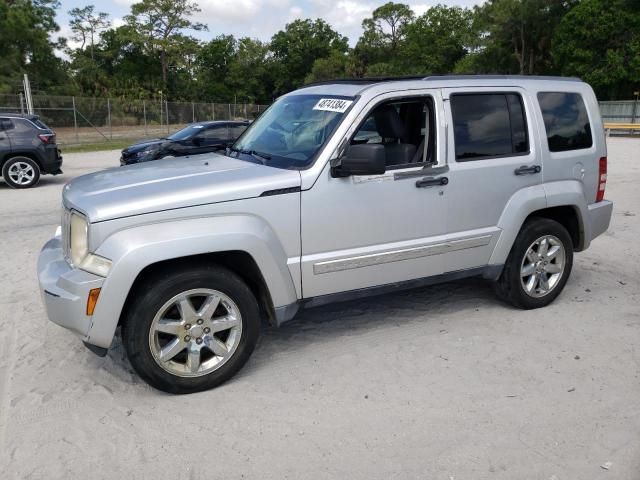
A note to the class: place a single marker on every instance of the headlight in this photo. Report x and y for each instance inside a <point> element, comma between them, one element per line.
<point>79,248</point>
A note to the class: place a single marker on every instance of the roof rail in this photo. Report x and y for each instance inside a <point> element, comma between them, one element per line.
<point>366,80</point>
<point>431,77</point>
<point>473,76</point>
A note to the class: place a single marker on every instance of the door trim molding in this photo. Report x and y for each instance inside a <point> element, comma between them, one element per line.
<point>360,261</point>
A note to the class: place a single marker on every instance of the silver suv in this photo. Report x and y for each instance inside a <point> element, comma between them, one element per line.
<point>339,190</point>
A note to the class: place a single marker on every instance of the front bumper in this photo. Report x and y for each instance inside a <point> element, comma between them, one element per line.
<point>600,217</point>
<point>64,289</point>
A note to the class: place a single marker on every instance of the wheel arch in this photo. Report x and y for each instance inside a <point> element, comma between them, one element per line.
<point>239,262</point>
<point>19,153</point>
<point>244,244</point>
<point>563,202</point>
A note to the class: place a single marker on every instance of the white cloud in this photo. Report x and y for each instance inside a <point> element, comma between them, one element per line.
<point>230,10</point>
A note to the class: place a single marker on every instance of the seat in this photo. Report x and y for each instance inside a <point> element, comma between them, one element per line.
<point>393,132</point>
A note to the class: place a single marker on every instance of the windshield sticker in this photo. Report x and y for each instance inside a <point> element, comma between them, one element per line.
<point>333,105</point>
<point>197,126</point>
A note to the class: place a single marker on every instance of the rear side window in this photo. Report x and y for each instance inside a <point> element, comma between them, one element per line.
<point>565,120</point>
<point>489,125</point>
<point>40,124</point>
<point>22,126</point>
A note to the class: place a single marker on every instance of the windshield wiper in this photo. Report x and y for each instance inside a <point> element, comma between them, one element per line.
<point>263,157</point>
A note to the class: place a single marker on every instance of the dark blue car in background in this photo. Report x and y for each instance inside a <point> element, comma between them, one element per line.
<point>202,137</point>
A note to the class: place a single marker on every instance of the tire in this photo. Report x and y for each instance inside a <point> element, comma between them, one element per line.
<point>160,330</point>
<point>522,281</point>
<point>21,172</point>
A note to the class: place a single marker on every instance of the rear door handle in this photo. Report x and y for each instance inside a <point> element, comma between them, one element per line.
<point>432,182</point>
<point>527,170</point>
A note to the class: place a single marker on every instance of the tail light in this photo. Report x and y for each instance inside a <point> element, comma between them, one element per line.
<point>602,179</point>
<point>48,138</point>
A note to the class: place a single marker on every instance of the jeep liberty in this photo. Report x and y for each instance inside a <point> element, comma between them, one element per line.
<point>339,190</point>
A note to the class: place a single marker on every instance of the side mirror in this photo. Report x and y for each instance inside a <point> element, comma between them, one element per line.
<point>366,159</point>
<point>197,141</point>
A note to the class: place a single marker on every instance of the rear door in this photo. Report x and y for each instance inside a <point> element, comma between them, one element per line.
<point>5,143</point>
<point>492,155</point>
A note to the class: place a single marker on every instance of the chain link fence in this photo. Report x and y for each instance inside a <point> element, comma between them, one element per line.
<point>79,120</point>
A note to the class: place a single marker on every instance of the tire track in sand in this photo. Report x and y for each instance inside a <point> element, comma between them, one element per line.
<point>8,352</point>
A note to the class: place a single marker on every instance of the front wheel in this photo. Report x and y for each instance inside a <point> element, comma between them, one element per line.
<point>538,265</point>
<point>191,331</point>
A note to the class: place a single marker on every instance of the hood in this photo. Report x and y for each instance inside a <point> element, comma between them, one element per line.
<point>172,183</point>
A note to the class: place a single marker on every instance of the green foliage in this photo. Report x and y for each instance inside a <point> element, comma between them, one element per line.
<point>382,35</point>
<point>25,44</point>
<point>298,46</point>
<point>436,41</point>
<point>514,36</point>
<point>158,26</point>
<point>599,41</point>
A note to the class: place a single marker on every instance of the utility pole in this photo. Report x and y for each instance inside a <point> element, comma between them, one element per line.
<point>27,94</point>
<point>160,92</point>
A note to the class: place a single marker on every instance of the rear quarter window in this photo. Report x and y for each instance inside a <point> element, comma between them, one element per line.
<point>565,120</point>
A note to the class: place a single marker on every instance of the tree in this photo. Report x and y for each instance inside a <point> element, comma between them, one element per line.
<point>26,46</point>
<point>298,46</point>
<point>85,23</point>
<point>388,25</point>
<point>336,65</point>
<point>599,41</point>
<point>437,40</point>
<point>159,26</point>
<point>252,72</point>
<point>213,62</point>
<point>515,35</point>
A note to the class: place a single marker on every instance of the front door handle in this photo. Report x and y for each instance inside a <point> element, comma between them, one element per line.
<point>527,170</point>
<point>432,182</point>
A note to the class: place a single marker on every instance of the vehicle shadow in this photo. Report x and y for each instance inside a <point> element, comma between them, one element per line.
<point>353,318</point>
<point>362,317</point>
<point>43,182</point>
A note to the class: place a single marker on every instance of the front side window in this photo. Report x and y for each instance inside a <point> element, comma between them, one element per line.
<point>292,130</point>
<point>405,128</point>
<point>565,120</point>
<point>488,125</point>
<point>215,133</point>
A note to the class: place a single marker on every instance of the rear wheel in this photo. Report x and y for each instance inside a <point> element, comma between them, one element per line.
<point>538,265</point>
<point>193,330</point>
<point>21,172</point>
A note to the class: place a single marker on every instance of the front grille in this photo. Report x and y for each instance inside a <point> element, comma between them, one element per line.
<point>66,226</point>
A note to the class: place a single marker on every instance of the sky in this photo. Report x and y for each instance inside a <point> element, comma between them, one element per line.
<point>261,18</point>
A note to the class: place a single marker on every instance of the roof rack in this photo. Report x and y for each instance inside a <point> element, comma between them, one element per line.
<point>474,76</point>
<point>432,77</point>
<point>366,80</point>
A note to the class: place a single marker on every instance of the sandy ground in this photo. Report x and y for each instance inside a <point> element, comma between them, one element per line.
<point>439,383</point>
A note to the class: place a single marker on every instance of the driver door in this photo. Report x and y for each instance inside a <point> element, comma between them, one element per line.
<point>360,232</point>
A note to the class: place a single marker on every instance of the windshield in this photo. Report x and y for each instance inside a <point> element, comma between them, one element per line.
<point>292,130</point>
<point>185,133</point>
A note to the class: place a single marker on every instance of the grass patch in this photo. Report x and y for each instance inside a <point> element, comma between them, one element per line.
<point>95,147</point>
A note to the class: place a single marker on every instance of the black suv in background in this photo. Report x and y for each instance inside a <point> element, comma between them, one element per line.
<point>27,150</point>
<point>203,137</point>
